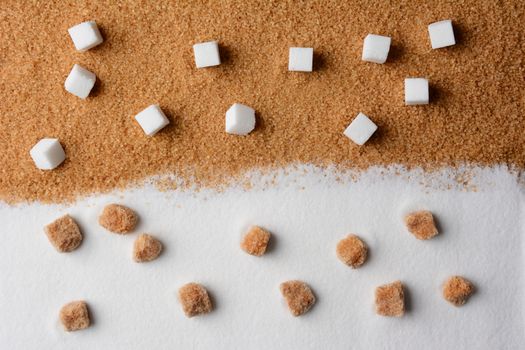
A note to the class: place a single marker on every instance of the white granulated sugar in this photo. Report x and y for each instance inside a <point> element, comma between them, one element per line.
<point>375,48</point>
<point>441,34</point>
<point>301,59</point>
<point>80,81</point>
<point>135,306</point>
<point>416,91</point>
<point>240,119</point>
<point>152,120</point>
<point>47,154</point>
<point>206,54</point>
<point>360,129</point>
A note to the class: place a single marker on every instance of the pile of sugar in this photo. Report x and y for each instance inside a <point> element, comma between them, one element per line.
<point>476,113</point>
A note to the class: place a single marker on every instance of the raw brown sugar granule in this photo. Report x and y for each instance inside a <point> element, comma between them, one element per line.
<point>298,296</point>
<point>146,248</point>
<point>457,290</point>
<point>352,251</point>
<point>255,241</point>
<point>118,218</point>
<point>476,89</point>
<point>75,316</point>
<point>194,299</point>
<point>390,300</point>
<point>64,234</point>
<point>421,224</point>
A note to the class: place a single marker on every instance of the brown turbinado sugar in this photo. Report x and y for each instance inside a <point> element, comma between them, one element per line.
<point>146,248</point>
<point>298,295</point>
<point>64,234</point>
<point>457,290</point>
<point>421,224</point>
<point>390,300</point>
<point>74,316</point>
<point>352,251</point>
<point>255,241</point>
<point>118,218</point>
<point>194,299</point>
<point>475,113</point>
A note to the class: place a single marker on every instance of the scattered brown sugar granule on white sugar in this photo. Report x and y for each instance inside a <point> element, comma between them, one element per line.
<point>74,316</point>
<point>298,296</point>
<point>255,241</point>
<point>457,290</point>
<point>194,299</point>
<point>390,300</point>
<point>352,251</point>
<point>421,224</point>
<point>64,234</point>
<point>146,248</point>
<point>118,218</point>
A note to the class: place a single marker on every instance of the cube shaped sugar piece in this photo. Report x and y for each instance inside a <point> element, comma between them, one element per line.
<point>441,34</point>
<point>64,234</point>
<point>298,296</point>
<point>152,119</point>
<point>416,91</point>
<point>375,48</point>
<point>75,316</point>
<point>207,54</point>
<point>80,81</point>
<point>195,299</point>
<point>240,119</point>
<point>47,154</point>
<point>360,129</point>
<point>390,299</point>
<point>301,59</point>
<point>85,35</point>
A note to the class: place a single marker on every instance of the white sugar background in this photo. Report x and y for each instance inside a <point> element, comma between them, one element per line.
<point>134,306</point>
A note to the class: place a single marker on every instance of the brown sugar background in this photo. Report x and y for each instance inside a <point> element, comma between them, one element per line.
<point>475,115</point>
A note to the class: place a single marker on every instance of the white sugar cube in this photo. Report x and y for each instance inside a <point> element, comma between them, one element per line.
<point>301,59</point>
<point>85,35</point>
<point>360,129</point>
<point>375,48</point>
<point>47,154</point>
<point>207,54</point>
<point>152,119</point>
<point>240,119</point>
<point>80,81</point>
<point>441,34</point>
<point>416,91</point>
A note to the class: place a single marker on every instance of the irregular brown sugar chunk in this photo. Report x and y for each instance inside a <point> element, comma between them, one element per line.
<point>118,218</point>
<point>421,224</point>
<point>352,251</point>
<point>194,299</point>
<point>64,234</point>
<point>390,300</point>
<point>298,296</point>
<point>74,316</point>
<point>457,290</point>
<point>146,248</point>
<point>255,241</point>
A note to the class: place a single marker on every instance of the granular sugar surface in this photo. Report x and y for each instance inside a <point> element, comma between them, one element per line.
<point>475,114</point>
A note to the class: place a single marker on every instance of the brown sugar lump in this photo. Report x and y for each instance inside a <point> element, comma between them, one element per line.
<point>421,224</point>
<point>390,300</point>
<point>118,218</point>
<point>298,296</point>
<point>194,299</point>
<point>74,316</point>
<point>457,290</point>
<point>146,248</point>
<point>64,234</point>
<point>255,241</point>
<point>352,251</point>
